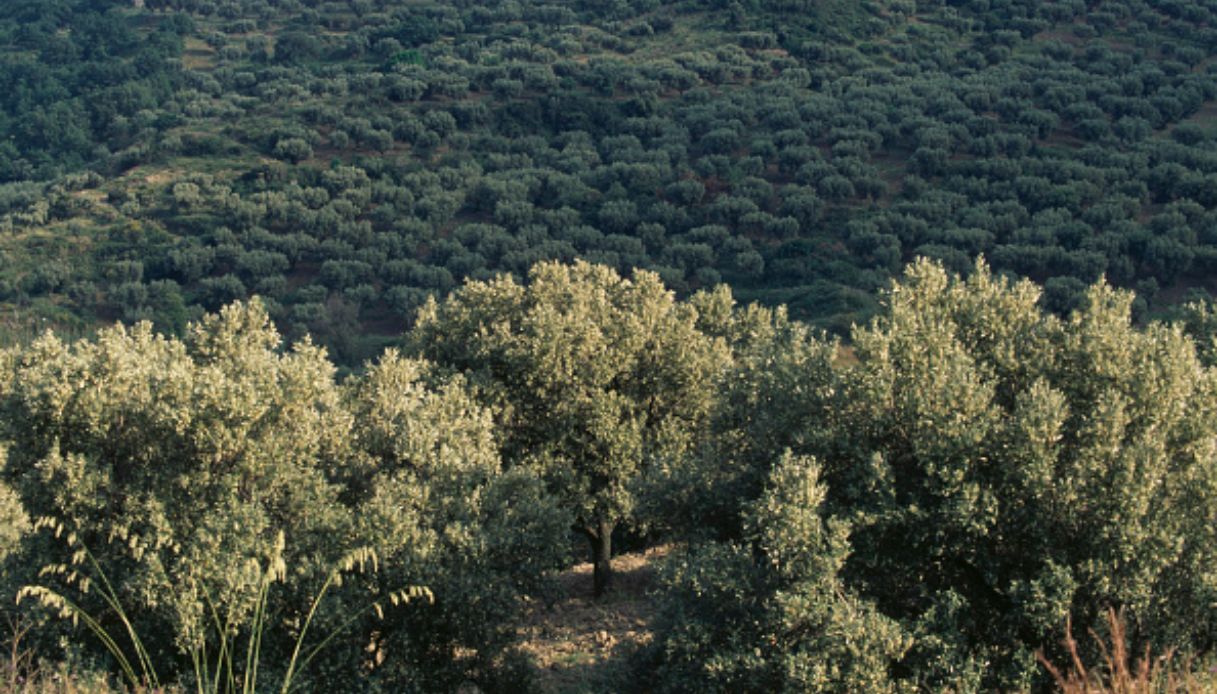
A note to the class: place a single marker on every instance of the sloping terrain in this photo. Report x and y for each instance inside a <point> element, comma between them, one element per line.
<point>346,160</point>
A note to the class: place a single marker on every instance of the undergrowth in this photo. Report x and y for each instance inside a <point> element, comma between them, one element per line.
<point>1123,671</point>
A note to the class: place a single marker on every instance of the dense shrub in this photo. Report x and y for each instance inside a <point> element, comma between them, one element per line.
<point>771,611</point>
<point>183,472</point>
<point>1001,469</point>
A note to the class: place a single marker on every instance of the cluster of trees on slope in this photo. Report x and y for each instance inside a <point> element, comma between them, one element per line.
<point>919,512</point>
<point>82,84</point>
<point>346,160</point>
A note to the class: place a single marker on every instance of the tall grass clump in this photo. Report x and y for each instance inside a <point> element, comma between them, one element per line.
<point>217,660</point>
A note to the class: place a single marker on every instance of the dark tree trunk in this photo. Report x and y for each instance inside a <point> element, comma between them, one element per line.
<point>601,539</point>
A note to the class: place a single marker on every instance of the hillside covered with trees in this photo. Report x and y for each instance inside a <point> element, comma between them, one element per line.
<point>345,160</point>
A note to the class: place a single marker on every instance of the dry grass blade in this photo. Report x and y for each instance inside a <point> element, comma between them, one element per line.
<point>1119,674</point>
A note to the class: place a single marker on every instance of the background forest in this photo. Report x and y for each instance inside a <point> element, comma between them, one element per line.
<point>344,160</point>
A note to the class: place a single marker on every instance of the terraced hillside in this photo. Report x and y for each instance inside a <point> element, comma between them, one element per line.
<point>346,160</point>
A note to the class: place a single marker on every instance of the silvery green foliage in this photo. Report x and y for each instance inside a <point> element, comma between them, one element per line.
<point>190,466</point>
<point>1006,469</point>
<point>771,612</point>
<point>1200,322</point>
<point>178,462</point>
<point>596,380</point>
<point>1001,469</point>
<point>441,512</point>
<point>780,386</point>
<point>14,523</point>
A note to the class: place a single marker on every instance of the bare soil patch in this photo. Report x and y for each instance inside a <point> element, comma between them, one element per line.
<point>581,644</point>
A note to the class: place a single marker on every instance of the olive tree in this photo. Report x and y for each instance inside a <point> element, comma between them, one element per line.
<point>596,380</point>
<point>1009,469</point>
<point>771,611</point>
<point>1000,469</point>
<point>187,474</point>
<point>180,464</point>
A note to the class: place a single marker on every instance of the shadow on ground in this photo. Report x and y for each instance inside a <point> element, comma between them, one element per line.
<point>581,645</point>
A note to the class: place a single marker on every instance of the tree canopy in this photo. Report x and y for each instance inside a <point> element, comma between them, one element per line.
<point>182,471</point>
<point>923,506</point>
<point>598,380</point>
<point>996,468</point>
